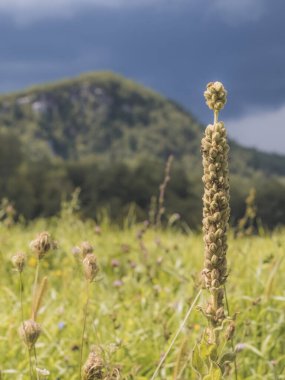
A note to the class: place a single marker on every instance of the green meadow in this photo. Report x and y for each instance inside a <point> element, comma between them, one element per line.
<point>147,282</point>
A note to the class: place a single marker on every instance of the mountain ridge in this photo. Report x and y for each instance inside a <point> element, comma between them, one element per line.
<point>102,112</point>
<point>111,137</point>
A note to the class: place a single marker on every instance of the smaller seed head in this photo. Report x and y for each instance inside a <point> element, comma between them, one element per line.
<point>85,248</point>
<point>19,261</point>
<point>29,331</point>
<point>42,244</point>
<point>216,96</point>
<point>90,267</point>
<point>93,367</point>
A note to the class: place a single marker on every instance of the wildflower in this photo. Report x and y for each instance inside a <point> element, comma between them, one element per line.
<point>118,283</point>
<point>115,263</point>
<point>240,347</point>
<point>61,325</point>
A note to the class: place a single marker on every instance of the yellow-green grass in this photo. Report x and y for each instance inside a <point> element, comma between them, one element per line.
<point>140,300</point>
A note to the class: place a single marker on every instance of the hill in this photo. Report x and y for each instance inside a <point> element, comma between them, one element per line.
<point>103,114</point>
<point>100,120</point>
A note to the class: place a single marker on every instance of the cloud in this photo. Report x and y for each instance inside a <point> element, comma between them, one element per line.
<point>232,11</point>
<point>31,10</point>
<point>262,129</point>
<point>235,11</point>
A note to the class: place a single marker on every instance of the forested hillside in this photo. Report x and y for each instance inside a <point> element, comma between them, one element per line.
<point>111,137</point>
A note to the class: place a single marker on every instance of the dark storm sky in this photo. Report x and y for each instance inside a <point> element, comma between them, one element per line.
<point>174,47</point>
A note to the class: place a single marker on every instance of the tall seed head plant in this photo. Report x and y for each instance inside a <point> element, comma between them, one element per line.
<point>216,210</point>
<point>91,369</point>
<point>247,224</point>
<point>209,358</point>
<point>29,329</point>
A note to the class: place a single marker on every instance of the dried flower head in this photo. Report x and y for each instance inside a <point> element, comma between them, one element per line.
<point>216,96</point>
<point>85,249</point>
<point>216,210</point>
<point>19,261</point>
<point>29,331</point>
<point>216,213</point>
<point>216,203</point>
<point>90,267</point>
<point>42,244</point>
<point>240,347</point>
<point>93,369</point>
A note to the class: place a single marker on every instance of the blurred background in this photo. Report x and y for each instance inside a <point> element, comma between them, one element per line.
<point>110,136</point>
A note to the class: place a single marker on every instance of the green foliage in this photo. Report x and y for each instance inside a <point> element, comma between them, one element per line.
<point>111,137</point>
<point>211,362</point>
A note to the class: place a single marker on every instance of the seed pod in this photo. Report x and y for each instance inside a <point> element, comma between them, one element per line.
<point>29,331</point>
<point>90,267</point>
<point>85,249</point>
<point>42,244</point>
<point>215,96</point>
<point>93,368</point>
<point>19,261</point>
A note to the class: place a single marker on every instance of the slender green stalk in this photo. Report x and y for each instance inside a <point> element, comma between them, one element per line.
<point>216,115</point>
<point>33,310</point>
<point>36,362</point>
<point>232,341</point>
<point>176,335</point>
<point>85,311</point>
<point>162,189</point>
<point>21,297</point>
<point>22,318</point>
<point>35,285</point>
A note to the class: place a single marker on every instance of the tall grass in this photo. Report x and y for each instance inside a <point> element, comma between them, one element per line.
<point>132,318</point>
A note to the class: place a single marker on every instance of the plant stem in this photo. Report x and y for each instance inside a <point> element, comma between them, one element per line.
<point>36,362</point>
<point>31,365</point>
<point>21,297</point>
<point>176,335</point>
<point>232,342</point>
<point>22,319</point>
<point>84,327</point>
<point>35,288</point>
